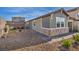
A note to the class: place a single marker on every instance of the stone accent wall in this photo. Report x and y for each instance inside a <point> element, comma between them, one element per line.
<point>59,31</point>
<point>53,31</point>
<point>43,31</point>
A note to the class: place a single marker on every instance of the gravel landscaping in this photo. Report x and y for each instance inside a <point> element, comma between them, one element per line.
<point>25,38</point>
<point>30,40</point>
<point>54,46</point>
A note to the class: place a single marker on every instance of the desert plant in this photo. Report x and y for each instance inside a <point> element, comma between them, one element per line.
<point>66,43</point>
<point>76,38</point>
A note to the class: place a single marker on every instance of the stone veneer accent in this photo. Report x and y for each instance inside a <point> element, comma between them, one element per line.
<point>53,31</point>
<point>59,31</point>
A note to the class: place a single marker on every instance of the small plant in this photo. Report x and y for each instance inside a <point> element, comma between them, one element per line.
<point>67,43</point>
<point>76,38</point>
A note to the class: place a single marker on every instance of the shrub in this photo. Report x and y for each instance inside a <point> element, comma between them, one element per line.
<point>67,43</point>
<point>76,37</point>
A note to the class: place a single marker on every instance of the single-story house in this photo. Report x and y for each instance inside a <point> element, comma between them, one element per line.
<point>58,22</point>
<point>73,21</point>
<point>18,22</point>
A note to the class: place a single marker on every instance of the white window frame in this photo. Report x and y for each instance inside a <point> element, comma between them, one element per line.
<point>60,20</point>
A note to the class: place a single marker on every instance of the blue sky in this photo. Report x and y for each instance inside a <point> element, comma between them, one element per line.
<point>27,12</point>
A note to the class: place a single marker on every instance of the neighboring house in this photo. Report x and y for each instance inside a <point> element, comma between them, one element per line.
<point>51,24</point>
<point>18,22</point>
<point>73,19</point>
<point>55,23</point>
<point>2,26</point>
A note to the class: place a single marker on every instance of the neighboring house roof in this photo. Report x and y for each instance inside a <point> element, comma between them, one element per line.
<point>59,10</point>
<point>72,18</point>
<point>71,10</point>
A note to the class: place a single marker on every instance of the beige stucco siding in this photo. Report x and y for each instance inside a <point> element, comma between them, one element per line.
<point>37,24</point>
<point>58,31</point>
<point>47,24</point>
<point>52,21</point>
<point>60,14</point>
<point>30,24</point>
<point>46,21</point>
<point>76,25</point>
<point>73,24</point>
<point>27,24</point>
<point>75,15</point>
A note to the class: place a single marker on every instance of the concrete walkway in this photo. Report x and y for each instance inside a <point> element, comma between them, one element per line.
<point>60,38</point>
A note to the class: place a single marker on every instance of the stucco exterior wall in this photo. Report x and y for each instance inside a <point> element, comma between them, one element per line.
<point>27,24</point>
<point>70,25</point>
<point>75,14</point>
<point>46,21</point>
<point>47,25</point>
<point>61,14</point>
<point>37,24</point>
<point>52,21</point>
<point>76,25</point>
<point>57,31</point>
<point>30,24</point>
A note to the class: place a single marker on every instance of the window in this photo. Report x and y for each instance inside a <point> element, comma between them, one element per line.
<point>60,22</point>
